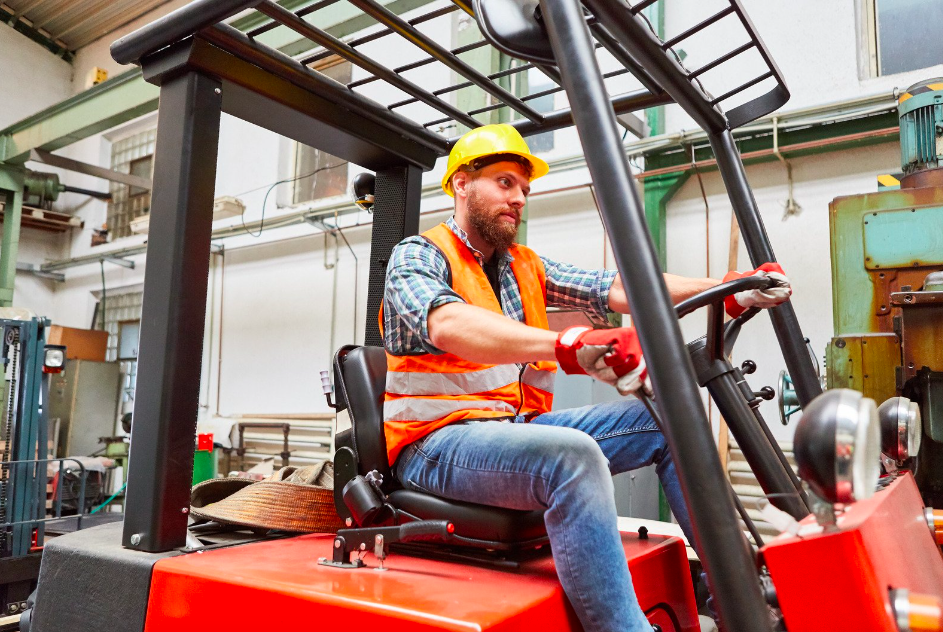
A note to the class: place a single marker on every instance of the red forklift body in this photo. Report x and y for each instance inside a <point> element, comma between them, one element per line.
<point>251,587</point>
<point>840,579</point>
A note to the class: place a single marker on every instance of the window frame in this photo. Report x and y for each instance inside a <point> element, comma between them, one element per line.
<point>869,33</point>
<point>296,196</point>
<point>137,201</point>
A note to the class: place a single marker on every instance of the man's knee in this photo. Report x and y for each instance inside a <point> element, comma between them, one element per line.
<point>579,456</point>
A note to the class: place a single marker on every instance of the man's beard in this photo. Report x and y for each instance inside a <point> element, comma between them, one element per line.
<point>488,223</point>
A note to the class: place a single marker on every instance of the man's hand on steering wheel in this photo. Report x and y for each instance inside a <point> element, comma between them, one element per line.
<point>778,294</point>
<point>613,356</point>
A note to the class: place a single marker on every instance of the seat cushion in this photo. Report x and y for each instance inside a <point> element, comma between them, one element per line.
<point>493,524</point>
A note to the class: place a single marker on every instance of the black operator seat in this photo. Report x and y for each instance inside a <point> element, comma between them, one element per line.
<point>361,376</point>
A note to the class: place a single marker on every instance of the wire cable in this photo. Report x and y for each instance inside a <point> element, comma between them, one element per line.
<point>110,498</point>
<point>286,181</point>
<point>356,268</point>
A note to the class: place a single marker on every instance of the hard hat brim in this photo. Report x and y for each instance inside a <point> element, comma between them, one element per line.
<point>539,167</point>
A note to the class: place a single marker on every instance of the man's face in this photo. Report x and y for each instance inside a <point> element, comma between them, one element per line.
<point>495,200</point>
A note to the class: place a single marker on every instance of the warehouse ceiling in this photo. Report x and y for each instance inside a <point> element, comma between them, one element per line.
<point>71,24</point>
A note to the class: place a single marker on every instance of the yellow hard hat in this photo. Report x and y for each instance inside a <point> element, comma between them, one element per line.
<point>489,140</point>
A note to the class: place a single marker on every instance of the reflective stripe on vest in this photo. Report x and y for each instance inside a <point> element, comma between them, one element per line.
<point>432,408</point>
<point>538,378</point>
<point>467,383</point>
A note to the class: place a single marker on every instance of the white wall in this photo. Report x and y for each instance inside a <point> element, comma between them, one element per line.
<point>32,292</point>
<point>96,54</point>
<point>31,77</point>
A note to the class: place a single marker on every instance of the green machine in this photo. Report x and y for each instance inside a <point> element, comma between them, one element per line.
<point>887,283</point>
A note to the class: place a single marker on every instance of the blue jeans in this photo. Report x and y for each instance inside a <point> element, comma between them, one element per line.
<point>561,462</point>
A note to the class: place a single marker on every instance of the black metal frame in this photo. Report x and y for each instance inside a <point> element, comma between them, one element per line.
<point>205,67</point>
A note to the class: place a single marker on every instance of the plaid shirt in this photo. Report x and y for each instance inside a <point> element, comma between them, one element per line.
<point>417,281</point>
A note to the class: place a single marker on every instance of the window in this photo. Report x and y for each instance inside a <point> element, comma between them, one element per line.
<point>905,34</point>
<point>122,321</point>
<point>134,155</point>
<point>128,335</point>
<point>319,174</point>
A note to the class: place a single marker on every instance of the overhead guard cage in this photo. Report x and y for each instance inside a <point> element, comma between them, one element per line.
<point>205,67</point>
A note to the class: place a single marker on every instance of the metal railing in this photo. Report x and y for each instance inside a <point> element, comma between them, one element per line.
<point>38,512</point>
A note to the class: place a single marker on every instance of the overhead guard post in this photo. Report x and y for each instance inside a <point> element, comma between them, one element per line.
<point>166,398</point>
<point>395,217</point>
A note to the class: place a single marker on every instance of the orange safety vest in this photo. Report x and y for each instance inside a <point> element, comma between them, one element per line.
<point>426,392</point>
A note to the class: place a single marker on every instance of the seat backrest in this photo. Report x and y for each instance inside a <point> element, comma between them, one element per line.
<point>362,372</point>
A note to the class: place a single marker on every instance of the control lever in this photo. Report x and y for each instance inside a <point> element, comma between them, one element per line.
<point>327,388</point>
<point>748,367</point>
<point>379,538</point>
<point>766,393</point>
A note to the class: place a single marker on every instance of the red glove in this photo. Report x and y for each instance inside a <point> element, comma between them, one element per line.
<point>613,356</point>
<point>779,293</point>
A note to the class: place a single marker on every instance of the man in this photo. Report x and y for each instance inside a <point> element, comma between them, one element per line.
<point>470,376</point>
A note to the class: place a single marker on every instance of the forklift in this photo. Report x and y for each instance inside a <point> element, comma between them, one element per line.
<point>855,553</point>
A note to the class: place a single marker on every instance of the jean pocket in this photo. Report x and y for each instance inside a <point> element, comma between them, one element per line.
<point>408,454</point>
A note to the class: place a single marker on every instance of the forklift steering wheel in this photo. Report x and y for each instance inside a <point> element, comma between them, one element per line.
<point>721,337</point>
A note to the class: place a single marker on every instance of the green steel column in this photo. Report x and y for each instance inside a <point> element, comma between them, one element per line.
<point>658,192</point>
<point>11,188</point>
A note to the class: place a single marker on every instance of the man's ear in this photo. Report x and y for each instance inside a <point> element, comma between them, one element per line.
<point>460,183</point>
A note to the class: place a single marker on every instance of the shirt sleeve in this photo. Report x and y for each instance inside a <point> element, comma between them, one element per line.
<point>416,282</point>
<point>575,287</point>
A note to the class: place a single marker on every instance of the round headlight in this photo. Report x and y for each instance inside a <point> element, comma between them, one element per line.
<point>837,446</point>
<point>901,428</point>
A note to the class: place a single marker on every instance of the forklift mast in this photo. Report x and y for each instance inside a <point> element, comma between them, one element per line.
<point>23,478</point>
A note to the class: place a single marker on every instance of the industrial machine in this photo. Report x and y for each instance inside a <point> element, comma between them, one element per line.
<point>874,554</point>
<point>887,284</point>
<point>41,189</point>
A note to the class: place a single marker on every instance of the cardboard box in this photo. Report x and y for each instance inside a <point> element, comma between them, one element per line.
<point>80,344</point>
